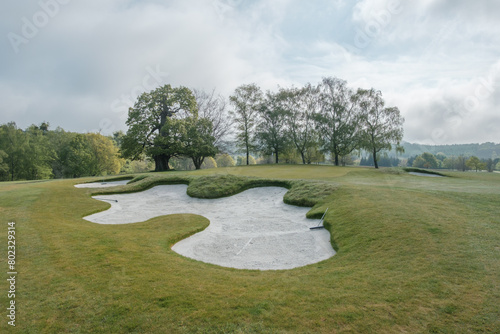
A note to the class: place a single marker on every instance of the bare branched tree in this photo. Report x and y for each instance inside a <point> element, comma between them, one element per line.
<point>214,107</point>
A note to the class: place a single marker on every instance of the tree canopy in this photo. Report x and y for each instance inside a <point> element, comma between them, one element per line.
<point>381,126</point>
<point>40,153</point>
<point>246,101</point>
<point>271,133</point>
<point>164,123</point>
<point>337,120</point>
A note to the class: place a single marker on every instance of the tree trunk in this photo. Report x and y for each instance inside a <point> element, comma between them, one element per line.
<point>197,161</point>
<point>303,157</point>
<point>375,163</point>
<point>336,159</point>
<point>161,162</point>
<point>277,156</point>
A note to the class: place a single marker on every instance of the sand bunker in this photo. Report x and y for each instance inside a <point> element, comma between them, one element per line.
<point>251,230</point>
<point>425,174</point>
<point>102,184</point>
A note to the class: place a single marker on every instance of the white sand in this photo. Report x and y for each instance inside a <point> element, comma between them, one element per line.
<point>251,230</point>
<point>102,184</point>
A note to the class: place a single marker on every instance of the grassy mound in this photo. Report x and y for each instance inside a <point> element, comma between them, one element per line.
<point>301,193</point>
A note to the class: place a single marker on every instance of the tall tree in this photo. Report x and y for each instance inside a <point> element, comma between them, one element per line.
<point>474,163</point>
<point>246,101</point>
<point>198,140</point>
<point>105,155</point>
<point>225,160</point>
<point>77,157</point>
<point>13,143</point>
<point>491,163</point>
<point>338,118</point>
<point>38,153</point>
<point>461,163</point>
<point>382,126</point>
<point>426,160</point>
<point>90,154</point>
<point>59,140</point>
<point>4,168</point>
<point>272,134</point>
<point>149,122</point>
<point>214,108</point>
<point>301,105</point>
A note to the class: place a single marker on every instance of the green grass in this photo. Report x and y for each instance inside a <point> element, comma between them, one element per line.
<point>415,255</point>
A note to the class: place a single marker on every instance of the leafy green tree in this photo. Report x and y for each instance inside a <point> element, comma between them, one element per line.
<point>301,105</point>
<point>90,154</point>
<point>4,168</point>
<point>59,141</point>
<point>346,160</point>
<point>209,162</point>
<point>291,156</point>
<point>240,161</point>
<point>271,132</point>
<point>450,162</point>
<point>440,157</point>
<point>77,157</point>
<point>314,155</point>
<point>198,140</point>
<point>338,118</point>
<point>474,163</point>
<point>137,166</point>
<point>246,101</point>
<point>13,143</point>
<point>105,155</point>
<point>225,160</point>
<point>381,126</point>
<point>426,160</point>
<point>491,163</point>
<point>38,153</point>
<point>461,163</point>
<point>152,129</point>
<point>118,138</point>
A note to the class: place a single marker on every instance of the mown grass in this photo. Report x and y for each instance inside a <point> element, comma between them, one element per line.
<point>415,255</point>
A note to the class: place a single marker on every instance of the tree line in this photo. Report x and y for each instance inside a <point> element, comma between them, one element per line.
<point>461,162</point>
<point>482,151</point>
<point>329,117</point>
<point>168,125</point>
<point>40,153</point>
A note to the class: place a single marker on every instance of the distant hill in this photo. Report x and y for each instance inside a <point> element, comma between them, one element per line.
<point>482,151</point>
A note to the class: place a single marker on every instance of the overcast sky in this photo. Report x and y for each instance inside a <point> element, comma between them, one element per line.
<point>81,64</point>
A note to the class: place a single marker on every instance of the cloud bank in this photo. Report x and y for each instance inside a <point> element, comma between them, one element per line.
<point>79,65</point>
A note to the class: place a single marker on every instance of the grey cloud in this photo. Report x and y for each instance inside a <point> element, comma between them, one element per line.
<point>92,56</point>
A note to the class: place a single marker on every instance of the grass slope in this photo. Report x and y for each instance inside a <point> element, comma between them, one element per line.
<point>415,254</point>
